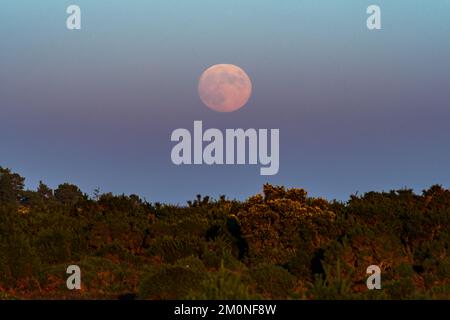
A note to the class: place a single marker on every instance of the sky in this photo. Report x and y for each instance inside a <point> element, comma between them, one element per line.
<point>357,110</point>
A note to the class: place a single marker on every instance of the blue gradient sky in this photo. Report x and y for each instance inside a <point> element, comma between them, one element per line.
<point>357,110</point>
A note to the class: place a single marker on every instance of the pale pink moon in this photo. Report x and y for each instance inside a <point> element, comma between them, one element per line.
<point>224,87</point>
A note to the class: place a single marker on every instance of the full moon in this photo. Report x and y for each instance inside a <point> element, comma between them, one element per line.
<point>224,87</point>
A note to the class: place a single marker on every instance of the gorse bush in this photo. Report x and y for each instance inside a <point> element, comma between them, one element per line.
<point>273,281</point>
<point>270,223</point>
<point>175,281</point>
<point>171,249</point>
<point>280,244</point>
<point>223,285</point>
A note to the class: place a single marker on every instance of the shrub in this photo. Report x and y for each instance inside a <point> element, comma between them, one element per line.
<point>222,285</point>
<point>172,281</point>
<point>172,249</point>
<point>273,281</point>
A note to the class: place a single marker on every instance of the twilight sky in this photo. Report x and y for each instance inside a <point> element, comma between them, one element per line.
<point>357,110</point>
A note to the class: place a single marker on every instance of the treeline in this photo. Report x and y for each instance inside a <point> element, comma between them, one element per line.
<point>280,244</point>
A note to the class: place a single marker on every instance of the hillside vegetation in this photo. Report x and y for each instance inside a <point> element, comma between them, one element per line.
<point>280,244</point>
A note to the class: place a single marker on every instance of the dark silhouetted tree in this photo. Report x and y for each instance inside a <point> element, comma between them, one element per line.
<point>11,186</point>
<point>68,194</point>
<point>44,191</point>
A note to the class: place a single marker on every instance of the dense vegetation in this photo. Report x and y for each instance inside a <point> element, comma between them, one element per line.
<point>280,244</point>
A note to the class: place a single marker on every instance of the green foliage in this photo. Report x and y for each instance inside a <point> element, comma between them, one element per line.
<point>170,249</point>
<point>272,281</point>
<point>280,244</point>
<point>53,245</point>
<point>222,285</point>
<point>68,194</point>
<point>11,186</point>
<point>332,285</point>
<point>271,224</point>
<point>172,281</point>
<point>101,274</point>
<point>18,258</point>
